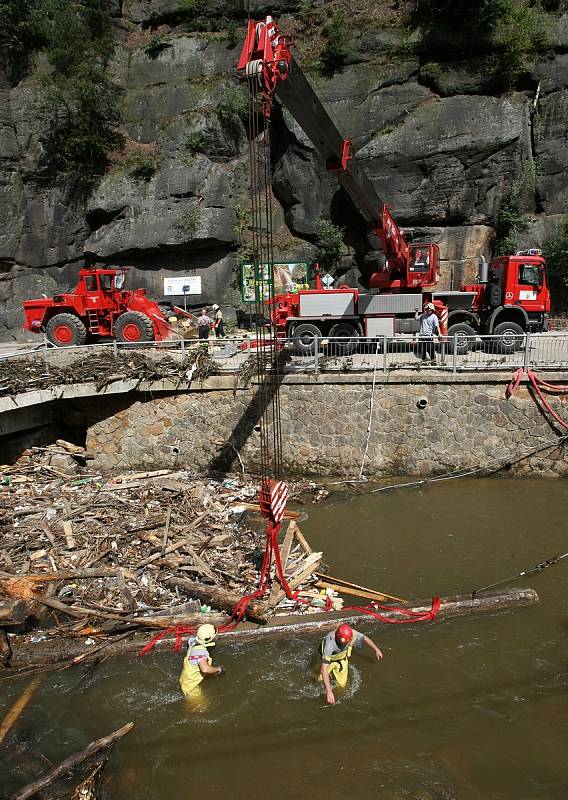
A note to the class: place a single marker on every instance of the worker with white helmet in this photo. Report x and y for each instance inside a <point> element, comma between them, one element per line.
<point>429,326</point>
<point>198,664</point>
<point>218,325</point>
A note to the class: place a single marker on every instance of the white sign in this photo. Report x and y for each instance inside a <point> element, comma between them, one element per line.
<point>327,280</point>
<point>182,286</point>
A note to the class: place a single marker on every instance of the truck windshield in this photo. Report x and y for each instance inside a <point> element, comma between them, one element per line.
<point>530,274</point>
<point>420,260</point>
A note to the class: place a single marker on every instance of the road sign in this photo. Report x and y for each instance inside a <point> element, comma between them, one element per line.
<point>327,280</point>
<point>182,286</point>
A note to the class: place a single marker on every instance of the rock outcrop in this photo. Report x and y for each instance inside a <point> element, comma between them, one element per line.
<point>440,147</point>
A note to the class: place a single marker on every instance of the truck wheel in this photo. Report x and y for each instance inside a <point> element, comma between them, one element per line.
<point>133,326</point>
<point>66,330</point>
<point>347,346</point>
<point>462,333</point>
<point>511,337</point>
<point>304,336</point>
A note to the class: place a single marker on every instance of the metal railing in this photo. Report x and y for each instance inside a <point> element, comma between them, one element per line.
<point>339,354</point>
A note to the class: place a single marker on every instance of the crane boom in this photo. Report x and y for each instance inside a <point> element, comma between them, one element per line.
<point>298,96</point>
<point>267,62</point>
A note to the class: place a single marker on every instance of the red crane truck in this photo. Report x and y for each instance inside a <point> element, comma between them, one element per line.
<point>98,306</point>
<point>511,296</point>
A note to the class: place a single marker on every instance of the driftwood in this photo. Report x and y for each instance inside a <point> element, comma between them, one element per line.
<point>219,598</point>
<point>305,569</point>
<point>13,612</point>
<point>19,706</point>
<point>5,649</point>
<point>87,789</point>
<point>255,507</point>
<point>70,763</point>
<point>160,621</point>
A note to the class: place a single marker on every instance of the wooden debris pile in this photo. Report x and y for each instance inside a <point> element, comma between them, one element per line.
<point>91,557</point>
<point>28,374</point>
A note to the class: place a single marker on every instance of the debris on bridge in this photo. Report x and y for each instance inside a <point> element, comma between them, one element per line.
<point>29,374</point>
<point>85,556</point>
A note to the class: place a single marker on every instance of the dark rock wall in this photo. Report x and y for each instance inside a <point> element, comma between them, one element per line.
<point>441,150</point>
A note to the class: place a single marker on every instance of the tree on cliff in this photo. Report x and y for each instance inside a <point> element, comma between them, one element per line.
<point>556,252</point>
<point>81,105</point>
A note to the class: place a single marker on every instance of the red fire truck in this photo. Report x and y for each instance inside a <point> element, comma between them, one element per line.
<point>510,297</point>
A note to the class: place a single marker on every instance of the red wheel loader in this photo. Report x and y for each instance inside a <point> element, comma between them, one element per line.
<point>98,306</point>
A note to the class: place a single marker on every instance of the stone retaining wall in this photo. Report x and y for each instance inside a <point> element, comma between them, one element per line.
<point>464,424</point>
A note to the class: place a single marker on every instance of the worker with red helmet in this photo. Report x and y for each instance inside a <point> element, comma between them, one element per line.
<point>335,653</point>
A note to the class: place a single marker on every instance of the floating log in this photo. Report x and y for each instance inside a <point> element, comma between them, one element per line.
<point>27,654</point>
<point>223,599</point>
<point>70,763</point>
<point>19,706</point>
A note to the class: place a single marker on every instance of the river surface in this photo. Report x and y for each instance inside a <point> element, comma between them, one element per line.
<point>474,707</point>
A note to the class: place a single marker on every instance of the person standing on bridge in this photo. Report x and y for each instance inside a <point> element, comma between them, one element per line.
<point>218,325</point>
<point>198,664</point>
<point>204,323</point>
<point>335,653</point>
<point>429,327</point>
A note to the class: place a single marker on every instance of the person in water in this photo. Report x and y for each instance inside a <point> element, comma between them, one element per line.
<point>335,653</point>
<point>198,664</point>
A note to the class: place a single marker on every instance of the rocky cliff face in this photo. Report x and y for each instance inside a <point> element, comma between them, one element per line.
<point>440,148</point>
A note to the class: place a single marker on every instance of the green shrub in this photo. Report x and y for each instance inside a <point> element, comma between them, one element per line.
<point>187,221</point>
<point>81,115</point>
<point>519,34</point>
<point>510,222</point>
<point>329,242</point>
<point>336,48</point>
<point>21,32</point>
<point>556,252</point>
<point>80,104</point>
<point>189,7</point>
<point>233,37</point>
<point>194,142</point>
<point>140,166</point>
<point>156,45</point>
<point>233,111</point>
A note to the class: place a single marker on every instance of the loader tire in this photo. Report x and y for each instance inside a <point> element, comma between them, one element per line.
<point>66,330</point>
<point>133,326</point>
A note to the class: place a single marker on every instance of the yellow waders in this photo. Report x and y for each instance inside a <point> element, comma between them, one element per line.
<point>191,675</point>
<point>339,667</point>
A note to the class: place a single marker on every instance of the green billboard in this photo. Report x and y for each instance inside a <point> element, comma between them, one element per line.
<point>286,276</point>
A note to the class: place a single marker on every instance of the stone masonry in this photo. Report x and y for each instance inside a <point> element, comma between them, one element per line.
<point>465,424</point>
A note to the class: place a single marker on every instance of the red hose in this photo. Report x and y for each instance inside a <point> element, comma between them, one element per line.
<point>538,385</point>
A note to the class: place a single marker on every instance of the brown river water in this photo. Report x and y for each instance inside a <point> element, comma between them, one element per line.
<point>474,707</point>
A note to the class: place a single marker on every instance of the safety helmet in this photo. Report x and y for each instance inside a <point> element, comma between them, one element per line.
<point>215,307</point>
<point>343,634</point>
<point>206,635</point>
<point>430,305</point>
